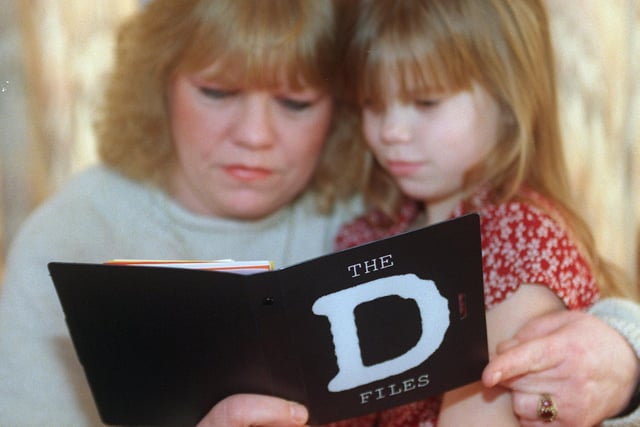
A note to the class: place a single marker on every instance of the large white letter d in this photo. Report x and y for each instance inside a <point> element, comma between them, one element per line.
<point>339,307</point>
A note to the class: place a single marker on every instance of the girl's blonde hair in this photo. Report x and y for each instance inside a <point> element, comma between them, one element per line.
<point>257,42</point>
<point>437,46</point>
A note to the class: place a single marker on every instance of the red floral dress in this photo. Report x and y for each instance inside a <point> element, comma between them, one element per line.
<point>522,242</point>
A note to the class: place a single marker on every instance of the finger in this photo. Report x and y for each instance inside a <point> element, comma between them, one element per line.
<point>525,406</point>
<point>526,357</point>
<point>243,410</point>
<point>507,345</point>
<point>545,325</point>
<point>529,351</point>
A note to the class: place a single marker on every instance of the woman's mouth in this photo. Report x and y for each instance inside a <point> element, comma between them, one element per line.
<point>247,173</point>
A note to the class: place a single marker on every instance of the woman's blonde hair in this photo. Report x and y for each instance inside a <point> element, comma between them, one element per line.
<point>256,41</point>
<point>437,46</point>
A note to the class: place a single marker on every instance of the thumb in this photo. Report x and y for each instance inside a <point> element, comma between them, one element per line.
<point>243,410</point>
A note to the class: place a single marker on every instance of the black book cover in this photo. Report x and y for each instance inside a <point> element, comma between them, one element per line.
<point>353,332</point>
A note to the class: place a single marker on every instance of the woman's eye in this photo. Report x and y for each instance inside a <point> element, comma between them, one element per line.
<point>372,105</point>
<point>294,104</point>
<point>213,93</point>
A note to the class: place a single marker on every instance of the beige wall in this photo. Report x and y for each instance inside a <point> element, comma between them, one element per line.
<point>13,126</point>
<point>45,108</point>
<point>53,55</point>
<point>598,50</point>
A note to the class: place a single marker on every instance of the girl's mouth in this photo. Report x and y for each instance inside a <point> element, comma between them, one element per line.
<point>402,168</point>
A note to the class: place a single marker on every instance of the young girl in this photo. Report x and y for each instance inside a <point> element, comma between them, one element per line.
<point>459,110</point>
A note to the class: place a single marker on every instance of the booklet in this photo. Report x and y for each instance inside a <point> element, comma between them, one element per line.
<point>230,265</point>
<point>350,333</point>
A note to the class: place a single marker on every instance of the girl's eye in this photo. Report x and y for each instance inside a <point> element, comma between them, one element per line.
<point>294,104</point>
<point>214,93</point>
<point>427,103</point>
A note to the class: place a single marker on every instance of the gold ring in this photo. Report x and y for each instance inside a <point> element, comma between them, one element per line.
<point>547,410</point>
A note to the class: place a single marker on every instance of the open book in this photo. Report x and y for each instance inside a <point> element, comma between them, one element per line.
<point>353,332</point>
<point>228,265</point>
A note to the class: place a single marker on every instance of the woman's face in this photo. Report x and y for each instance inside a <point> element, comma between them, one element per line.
<point>242,152</point>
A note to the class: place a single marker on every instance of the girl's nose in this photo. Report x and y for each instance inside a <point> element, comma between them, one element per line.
<point>254,128</point>
<point>395,125</point>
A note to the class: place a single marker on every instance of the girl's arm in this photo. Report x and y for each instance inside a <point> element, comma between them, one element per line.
<point>591,370</point>
<point>479,406</point>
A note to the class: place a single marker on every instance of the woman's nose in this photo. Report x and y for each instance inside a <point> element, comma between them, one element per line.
<point>254,128</point>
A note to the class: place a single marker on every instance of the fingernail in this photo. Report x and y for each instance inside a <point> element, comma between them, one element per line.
<point>497,377</point>
<point>299,413</point>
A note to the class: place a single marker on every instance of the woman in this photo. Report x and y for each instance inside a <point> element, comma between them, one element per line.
<point>220,137</point>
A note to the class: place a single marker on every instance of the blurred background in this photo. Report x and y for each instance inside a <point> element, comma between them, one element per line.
<point>53,55</point>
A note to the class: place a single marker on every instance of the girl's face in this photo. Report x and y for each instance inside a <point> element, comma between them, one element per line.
<point>243,153</point>
<point>429,143</point>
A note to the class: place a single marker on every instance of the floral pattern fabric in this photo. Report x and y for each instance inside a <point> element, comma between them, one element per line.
<point>523,242</point>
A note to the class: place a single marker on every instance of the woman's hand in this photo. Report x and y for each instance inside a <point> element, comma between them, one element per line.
<point>587,367</point>
<point>244,410</point>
